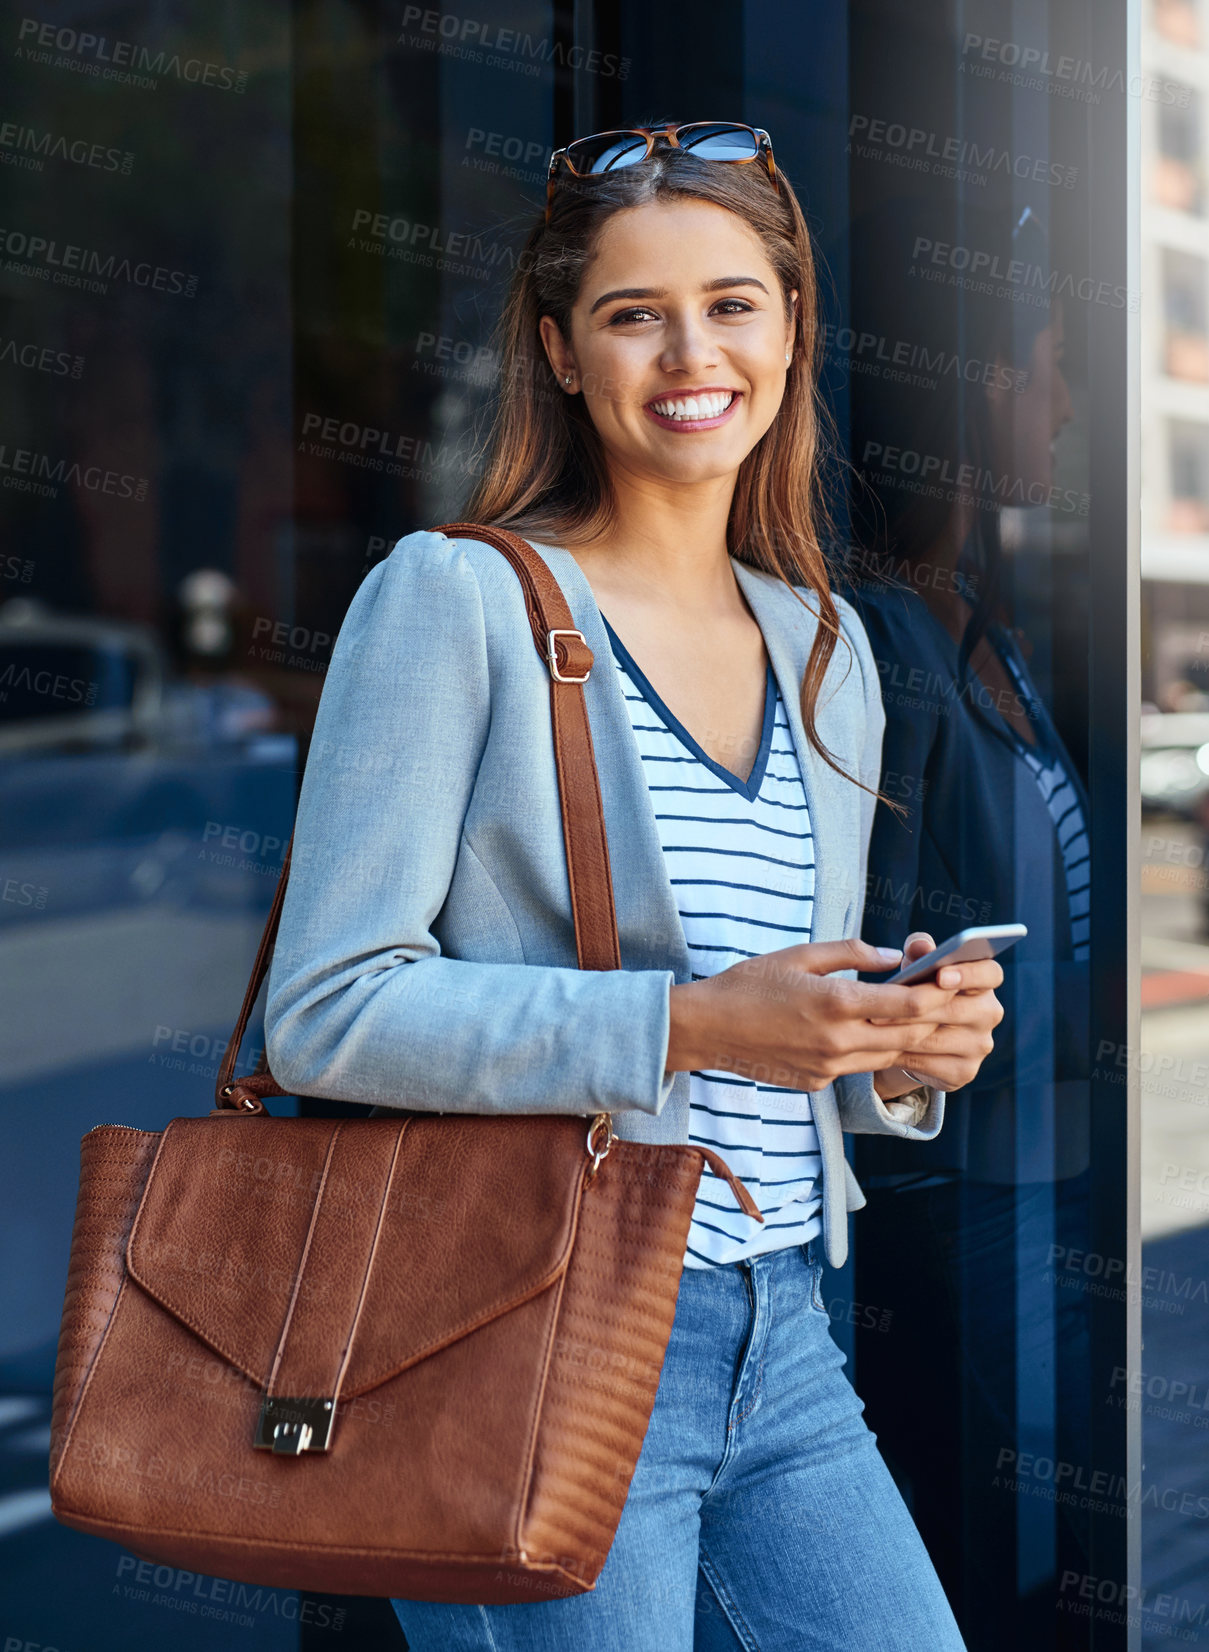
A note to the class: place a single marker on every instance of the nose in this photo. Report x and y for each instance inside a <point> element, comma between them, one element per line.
<point>688,347</point>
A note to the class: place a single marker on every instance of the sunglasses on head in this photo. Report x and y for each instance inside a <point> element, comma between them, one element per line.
<point>708,140</point>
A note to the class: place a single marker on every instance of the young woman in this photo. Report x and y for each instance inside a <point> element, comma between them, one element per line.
<point>656,442</point>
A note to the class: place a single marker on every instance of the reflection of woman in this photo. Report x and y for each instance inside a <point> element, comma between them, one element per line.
<point>657,440</point>
<point>991,827</point>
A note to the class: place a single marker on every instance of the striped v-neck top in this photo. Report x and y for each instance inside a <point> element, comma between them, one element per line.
<point>740,858</point>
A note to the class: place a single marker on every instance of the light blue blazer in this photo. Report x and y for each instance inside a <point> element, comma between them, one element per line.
<point>426,956</point>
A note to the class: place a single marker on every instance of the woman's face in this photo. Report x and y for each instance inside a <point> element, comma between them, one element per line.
<point>678,342</point>
<point>1026,422</point>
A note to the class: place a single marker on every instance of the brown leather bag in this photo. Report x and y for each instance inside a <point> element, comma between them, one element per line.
<point>409,1355</point>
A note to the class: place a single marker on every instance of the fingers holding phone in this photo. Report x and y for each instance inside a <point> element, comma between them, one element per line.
<point>950,1055</point>
<point>970,976</point>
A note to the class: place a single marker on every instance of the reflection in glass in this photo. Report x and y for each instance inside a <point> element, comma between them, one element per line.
<point>987,822</point>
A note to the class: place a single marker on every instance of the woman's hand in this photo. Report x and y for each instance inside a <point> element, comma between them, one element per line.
<point>951,1055</point>
<point>787,1018</point>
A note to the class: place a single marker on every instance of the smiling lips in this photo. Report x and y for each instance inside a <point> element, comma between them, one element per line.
<point>698,410</point>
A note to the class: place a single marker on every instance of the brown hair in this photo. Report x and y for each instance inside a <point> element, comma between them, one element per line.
<point>544,469</point>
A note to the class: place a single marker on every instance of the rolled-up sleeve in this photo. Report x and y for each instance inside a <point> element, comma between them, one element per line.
<point>362,1005</point>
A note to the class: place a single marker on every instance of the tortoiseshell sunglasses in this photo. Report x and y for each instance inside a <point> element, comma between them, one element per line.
<point>709,140</point>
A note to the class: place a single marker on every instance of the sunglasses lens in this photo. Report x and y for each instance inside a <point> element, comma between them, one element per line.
<point>716,141</point>
<point>606,152</point>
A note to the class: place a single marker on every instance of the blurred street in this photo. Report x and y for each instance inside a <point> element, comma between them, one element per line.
<point>1174,1062</point>
<point>1174,1077</point>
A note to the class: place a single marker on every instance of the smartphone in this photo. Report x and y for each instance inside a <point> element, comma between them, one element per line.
<point>965,947</point>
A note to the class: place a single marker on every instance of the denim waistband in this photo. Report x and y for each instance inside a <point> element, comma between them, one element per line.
<point>768,1261</point>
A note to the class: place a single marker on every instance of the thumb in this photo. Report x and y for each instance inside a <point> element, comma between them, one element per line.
<point>824,957</point>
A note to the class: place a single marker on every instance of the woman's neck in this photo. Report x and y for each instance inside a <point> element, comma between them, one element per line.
<point>665,547</point>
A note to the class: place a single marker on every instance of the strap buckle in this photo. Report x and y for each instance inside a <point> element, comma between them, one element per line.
<point>552,659</point>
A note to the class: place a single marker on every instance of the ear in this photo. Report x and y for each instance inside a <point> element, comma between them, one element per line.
<point>793,319</point>
<point>557,352</point>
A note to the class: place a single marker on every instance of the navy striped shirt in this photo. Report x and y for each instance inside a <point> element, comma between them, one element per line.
<point>740,857</point>
<point>1049,768</point>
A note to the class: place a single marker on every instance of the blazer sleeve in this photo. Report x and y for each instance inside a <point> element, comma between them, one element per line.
<point>362,1005</point>
<point>862,1111</point>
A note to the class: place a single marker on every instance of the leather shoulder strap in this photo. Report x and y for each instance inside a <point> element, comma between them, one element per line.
<point>568,659</point>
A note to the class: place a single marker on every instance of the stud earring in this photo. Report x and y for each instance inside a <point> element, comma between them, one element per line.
<point>788,356</point>
<point>567,379</point>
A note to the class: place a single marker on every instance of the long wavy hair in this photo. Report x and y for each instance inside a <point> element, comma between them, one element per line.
<point>544,472</point>
<point>895,521</point>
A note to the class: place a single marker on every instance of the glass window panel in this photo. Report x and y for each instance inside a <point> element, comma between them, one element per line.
<point>247,356</point>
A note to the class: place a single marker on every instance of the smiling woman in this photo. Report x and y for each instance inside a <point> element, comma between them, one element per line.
<point>628,336</point>
<point>683,372</point>
<point>656,440</point>
<point>649,287</point>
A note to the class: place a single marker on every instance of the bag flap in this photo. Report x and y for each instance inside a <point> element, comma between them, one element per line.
<point>319,1252</point>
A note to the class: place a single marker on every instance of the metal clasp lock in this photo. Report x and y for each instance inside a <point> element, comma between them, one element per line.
<point>552,660</point>
<point>598,1153</point>
<point>291,1424</point>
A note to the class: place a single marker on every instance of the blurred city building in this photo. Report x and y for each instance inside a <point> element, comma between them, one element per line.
<point>1175,356</point>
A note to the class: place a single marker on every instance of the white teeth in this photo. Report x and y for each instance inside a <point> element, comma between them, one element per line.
<point>695,407</point>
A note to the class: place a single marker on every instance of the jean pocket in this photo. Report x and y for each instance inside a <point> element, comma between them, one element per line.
<point>814,1266</point>
<point>816,1288</point>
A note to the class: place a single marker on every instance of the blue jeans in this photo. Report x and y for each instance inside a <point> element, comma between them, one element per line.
<point>760,1515</point>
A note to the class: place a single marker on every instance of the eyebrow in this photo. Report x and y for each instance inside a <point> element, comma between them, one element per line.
<point>661,292</point>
